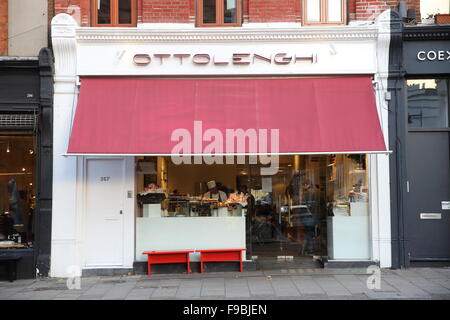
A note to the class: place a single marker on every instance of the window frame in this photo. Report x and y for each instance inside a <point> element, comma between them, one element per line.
<point>114,11</point>
<point>219,15</point>
<point>324,14</point>
<point>427,129</point>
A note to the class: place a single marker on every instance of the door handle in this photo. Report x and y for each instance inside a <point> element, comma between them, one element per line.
<point>121,212</point>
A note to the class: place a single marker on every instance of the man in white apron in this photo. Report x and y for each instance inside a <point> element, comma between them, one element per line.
<point>215,193</point>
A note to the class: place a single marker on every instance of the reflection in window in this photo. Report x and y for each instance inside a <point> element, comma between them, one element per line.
<point>313,10</point>
<point>17,190</point>
<point>324,11</point>
<point>314,205</point>
<point>428,103</point>
<point>230,11</point>
<point>125,12</point>
<point>104,12</point>
<point>209,11</point>
<point>334,10</point>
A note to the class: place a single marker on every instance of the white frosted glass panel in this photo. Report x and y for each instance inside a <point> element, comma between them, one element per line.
<point>334,10</point>
<point>313,10</point>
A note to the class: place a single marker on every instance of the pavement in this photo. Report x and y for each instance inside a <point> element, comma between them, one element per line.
<point>288,284</point>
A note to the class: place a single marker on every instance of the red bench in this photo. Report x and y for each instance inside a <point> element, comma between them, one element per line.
<point>158,257</point>
<point>215,255</point>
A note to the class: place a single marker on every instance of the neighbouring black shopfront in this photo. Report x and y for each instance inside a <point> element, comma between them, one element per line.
<point>419,134</point>
<point>26,140</point>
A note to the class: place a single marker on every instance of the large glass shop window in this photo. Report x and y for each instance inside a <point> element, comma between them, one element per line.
<point>313,207</point>
<point>428,103</point>
<point>17,190</point>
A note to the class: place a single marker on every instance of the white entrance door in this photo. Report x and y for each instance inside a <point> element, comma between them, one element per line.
<point>105,196</point>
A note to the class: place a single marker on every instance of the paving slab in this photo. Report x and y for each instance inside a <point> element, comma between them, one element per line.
<point>119,291</point>
<point>405,287</point>
<point>99,289</point>
<point>331,286</point>
<point>140,294</point>
<point>213,287</point>
<point>307,285</point>
<point>284,287</point>
<point>236,288</point>
<point>189,289</point>
<point>352,283</point>
<point>260,286</point>
<point>430,273</point>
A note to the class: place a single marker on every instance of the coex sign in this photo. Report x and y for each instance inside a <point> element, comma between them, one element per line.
<point>426,57</point>
<point>441,55</point>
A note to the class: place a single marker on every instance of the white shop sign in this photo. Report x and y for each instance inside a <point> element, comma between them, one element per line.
<point>225,58</point>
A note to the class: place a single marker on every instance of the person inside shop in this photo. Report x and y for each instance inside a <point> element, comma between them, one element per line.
<point>15,204</point>
<point>308,220</point>
<point>293,191</point>
<point>214,192</point>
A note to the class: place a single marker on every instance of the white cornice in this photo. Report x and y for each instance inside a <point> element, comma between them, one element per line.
<point>347,33</point>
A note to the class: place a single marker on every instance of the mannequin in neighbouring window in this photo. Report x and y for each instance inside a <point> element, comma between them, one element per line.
<point>15,204</point>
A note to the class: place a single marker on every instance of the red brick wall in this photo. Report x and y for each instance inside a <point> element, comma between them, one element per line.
<point>183,11</point>
<point>3,27</point>
<point>167,11</point>
<point>274,11</point>
<point>69,6</point>
<point>371,9</point>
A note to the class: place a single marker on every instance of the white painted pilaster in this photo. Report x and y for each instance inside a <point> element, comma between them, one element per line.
<point>64,252</point>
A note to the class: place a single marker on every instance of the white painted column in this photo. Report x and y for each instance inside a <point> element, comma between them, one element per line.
<point>381,227</point>
<point>64,244</point>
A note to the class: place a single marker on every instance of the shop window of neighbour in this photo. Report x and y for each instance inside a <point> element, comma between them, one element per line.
<point>114,13</point>
<point>17,190</point>
<point>428,103</point>
<point>219,13</point>
<point>331,12</point>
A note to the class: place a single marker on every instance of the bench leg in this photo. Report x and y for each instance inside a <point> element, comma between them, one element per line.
<point>148,267</point>
<point>240,262</point>
<point>188,264</point>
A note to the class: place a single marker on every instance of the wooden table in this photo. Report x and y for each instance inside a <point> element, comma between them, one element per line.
<point>158,257</point>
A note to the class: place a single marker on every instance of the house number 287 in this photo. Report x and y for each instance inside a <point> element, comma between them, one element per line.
<point>104,179</point>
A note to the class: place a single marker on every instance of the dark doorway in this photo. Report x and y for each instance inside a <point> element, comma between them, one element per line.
<point>428,172</point>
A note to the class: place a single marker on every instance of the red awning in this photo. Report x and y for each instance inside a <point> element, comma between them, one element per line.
<point>312,115</point>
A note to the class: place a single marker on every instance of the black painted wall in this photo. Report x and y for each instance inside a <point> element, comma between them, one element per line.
<point>26,86</point>
<point>45,164</point>
<point>405,38</point>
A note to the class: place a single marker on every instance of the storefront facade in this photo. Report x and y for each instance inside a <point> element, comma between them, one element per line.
<point>420,68</point>
<point>26,99</point>
<point>120,94</point>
